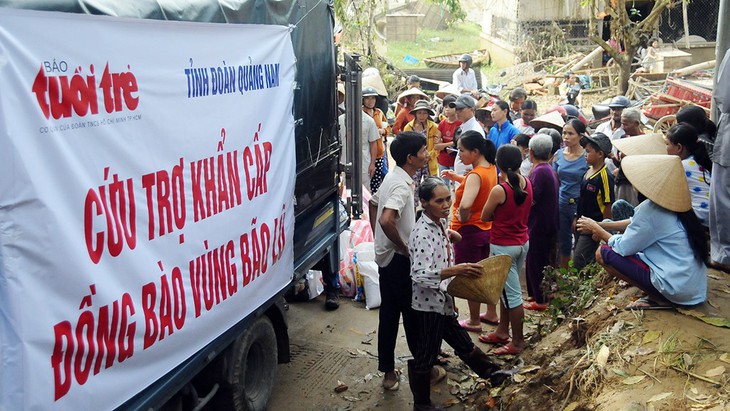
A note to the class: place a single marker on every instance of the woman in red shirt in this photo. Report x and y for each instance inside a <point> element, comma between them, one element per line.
<point>508,208</point>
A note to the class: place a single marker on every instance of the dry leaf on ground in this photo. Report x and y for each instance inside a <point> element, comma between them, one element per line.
<point>602,357</point>
<point>650,336</point>
<point>634,380</point>
<point>660,397</point>
<point>715,371</point>
<point>725,357</point>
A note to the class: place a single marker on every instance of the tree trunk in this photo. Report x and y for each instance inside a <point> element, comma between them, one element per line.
<point>624,73</point>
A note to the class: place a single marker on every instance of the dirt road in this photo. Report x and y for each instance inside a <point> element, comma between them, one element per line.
<point>341,346</point>
<point>328,347</point>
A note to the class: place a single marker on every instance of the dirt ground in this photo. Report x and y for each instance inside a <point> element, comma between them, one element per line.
<point>652,360</point>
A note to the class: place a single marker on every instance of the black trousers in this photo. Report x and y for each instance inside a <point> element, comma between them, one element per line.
<point>395,293</point>
<point>434,328</point>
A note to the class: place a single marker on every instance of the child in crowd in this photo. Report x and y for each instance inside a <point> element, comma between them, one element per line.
<point>596,195</point>
<point>527,114</point>
<point>522,141</point>
<point>508,207</point>
<point>447,127</point>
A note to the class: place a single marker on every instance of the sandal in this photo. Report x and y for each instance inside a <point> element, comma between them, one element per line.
<point>535,306</point>
<point>647,304</point>
<point>392,384</point>
<point>483,318</point>
<point>507,349</point>
<point>492,338</point>
<point>471,328</point>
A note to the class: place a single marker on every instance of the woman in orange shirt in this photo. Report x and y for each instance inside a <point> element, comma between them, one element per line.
<point>369,97</point>
<point>471,195</point>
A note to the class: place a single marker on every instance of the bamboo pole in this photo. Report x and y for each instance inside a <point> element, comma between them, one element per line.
<point>587,59</point>
<point>695,67</point>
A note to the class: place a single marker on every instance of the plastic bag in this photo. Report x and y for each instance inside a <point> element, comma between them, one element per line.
<point>367,270</point>
<point>371,283</point>
<point>315,285</point>
<point>348,284</point>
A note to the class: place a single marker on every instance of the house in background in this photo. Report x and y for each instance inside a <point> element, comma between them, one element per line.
<point>518,30</point>
<point>509,27</point>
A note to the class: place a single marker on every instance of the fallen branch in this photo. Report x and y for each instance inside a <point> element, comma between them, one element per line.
<point>651,376</point>
<point>699,377</point>
<point>572,379</point>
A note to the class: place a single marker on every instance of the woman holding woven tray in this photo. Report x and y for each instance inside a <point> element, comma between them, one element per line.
<point>663,250</point>
<point>432,266</point>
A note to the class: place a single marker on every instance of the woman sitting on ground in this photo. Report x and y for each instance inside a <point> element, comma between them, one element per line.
<point>652,253</point>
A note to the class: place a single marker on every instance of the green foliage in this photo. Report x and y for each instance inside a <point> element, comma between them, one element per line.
<point>453,7</point>
<point>572,291</point>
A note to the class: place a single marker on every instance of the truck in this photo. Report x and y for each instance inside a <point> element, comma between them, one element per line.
<point>170,170</point>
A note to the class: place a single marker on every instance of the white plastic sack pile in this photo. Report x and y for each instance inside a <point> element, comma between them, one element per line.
<point>368,269</point>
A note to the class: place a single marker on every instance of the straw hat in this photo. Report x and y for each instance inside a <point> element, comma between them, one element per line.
<point>552,119</point>
<point>422,105</point>
<point>447,89</point>
<point>641,145</point>
<point>488,287</point>
<point>660,178</point>
<point>411,92</point>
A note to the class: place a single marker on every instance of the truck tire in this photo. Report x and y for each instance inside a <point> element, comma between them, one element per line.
<point>253,375</point>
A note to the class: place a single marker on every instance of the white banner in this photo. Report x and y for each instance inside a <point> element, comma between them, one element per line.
<point>146,182</point>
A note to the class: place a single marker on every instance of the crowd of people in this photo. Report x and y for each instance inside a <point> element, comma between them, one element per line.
<point>546,191</point>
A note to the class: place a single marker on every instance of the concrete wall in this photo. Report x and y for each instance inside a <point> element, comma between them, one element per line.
<point>540,10</point>
<point>700,52</point>
<point>402,27</point>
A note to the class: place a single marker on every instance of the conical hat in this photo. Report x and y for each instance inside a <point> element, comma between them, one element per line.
<point>410,92</point>
<point>660,178</point>
<point>488,287</point>
<point>640,145</point>
<point>447,89</point>
<point>341,88</point>
<point>375,82</point>
<point>552,119</point>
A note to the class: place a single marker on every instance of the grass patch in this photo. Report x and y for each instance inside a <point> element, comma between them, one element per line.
<point>431,42</point>
<point>572,292</point>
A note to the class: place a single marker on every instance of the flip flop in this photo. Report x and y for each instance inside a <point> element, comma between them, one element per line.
<point>647,304</point>
<point>491,338</point>
<point>507,350</point>
<point>471,328</point>
<point>534,306</point>
<point>483,318</point>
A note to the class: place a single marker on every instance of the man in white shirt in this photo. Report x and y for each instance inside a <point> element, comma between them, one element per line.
<point>612,128</point>
<point>464,77</point>
<point>465,106</point>
<point>368,144</point>
<point>392,216</point>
